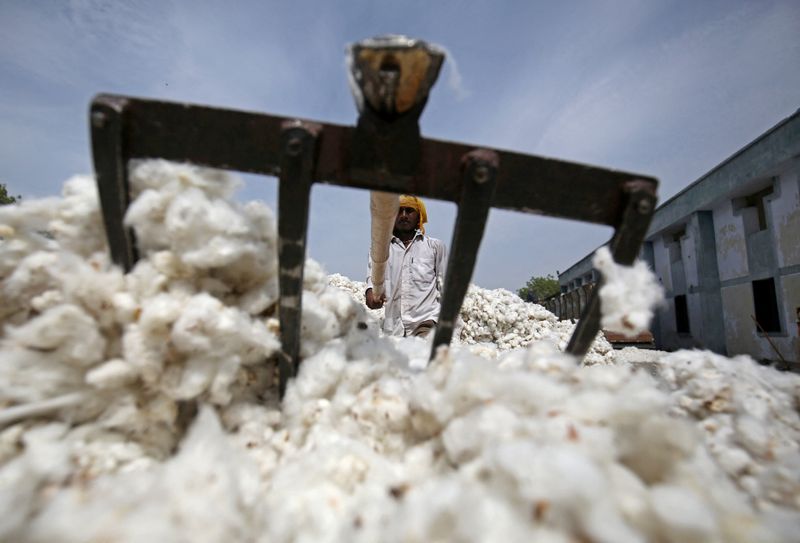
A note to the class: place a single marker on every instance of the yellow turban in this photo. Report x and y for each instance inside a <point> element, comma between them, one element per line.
<point>419,205</point>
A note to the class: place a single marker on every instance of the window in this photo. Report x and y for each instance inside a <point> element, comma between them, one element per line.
<point>681,314</point>
<point>753,210</point>
<point>674,245</point>
<point>757,201</point>
<point>766,305</point>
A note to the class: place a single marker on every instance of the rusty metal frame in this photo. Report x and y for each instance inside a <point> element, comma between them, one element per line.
<point>301,153</point>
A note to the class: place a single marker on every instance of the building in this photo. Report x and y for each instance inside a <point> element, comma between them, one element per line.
<point>727,251</point>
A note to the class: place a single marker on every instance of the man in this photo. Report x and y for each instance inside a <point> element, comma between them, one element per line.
<point>414,274</point>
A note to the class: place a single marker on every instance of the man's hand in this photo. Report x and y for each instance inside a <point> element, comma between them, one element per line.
<point>372,301</point>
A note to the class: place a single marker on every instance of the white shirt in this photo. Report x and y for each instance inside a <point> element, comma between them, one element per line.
<point>413,283</point>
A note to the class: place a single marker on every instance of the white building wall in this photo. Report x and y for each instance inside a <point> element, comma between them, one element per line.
<point>790,293</point>
<point>740,332</point>
<point>731,246</point>
<point>661,258</point>
<point>785,211</point>
<point>689,261</point>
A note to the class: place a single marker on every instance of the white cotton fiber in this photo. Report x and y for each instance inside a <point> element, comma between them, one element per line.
<point>627,295</point>
<point>144,406</point>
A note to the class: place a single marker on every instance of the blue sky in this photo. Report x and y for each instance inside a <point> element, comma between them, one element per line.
<point>666,88</point>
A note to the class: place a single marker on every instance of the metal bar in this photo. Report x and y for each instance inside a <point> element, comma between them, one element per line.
<point>250,142</point>
<point>479,171</point>
<point>107,119</point>
<point>298,152</point>
<point>624,245</point>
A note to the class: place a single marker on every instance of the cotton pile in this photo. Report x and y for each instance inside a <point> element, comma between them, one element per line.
<point>495,321</point>
<point>142,407</point>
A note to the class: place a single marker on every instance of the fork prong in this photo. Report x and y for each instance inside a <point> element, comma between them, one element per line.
<point>479,176</point>
<point>298,142</point>
<point>106,120</point>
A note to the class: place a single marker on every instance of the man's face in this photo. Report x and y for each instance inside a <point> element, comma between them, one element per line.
<point>407,219</point>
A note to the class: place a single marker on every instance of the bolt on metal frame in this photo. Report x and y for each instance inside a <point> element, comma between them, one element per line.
<point>391,79</point>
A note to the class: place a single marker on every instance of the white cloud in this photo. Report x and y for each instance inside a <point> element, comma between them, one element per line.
<point>694,97</point>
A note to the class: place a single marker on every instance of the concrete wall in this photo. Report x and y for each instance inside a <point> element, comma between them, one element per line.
<point>730,245</point>
<point>786,215</point>
<point>790,346</point>
<point>740,335</point>
<point>661,268</point>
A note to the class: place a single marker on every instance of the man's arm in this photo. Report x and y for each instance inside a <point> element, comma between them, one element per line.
<point>372,301</point>
<point>441,265</point>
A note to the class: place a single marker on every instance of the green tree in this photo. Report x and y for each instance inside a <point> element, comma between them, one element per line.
<point>5,198</point>
<point>539,288</point>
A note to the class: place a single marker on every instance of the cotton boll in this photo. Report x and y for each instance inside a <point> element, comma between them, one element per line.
<point>97,452</point>
<point>364,342</point>
<point>112,374</point>
<point>559,476</point>
<point>27,217</point>
<point>167,503</point>
<point>321,489</point>
<point>320,374</point>
<point>219,251</point>
<point>548,358</point>
<point>340,304</point>
<point>46,462</point>
<point>92,284</point>
<point>65,330</point>
<point>627,295</point>
<point>149,419</point>
<point>632,499</point>
<point>318,325</point>
<point>125,307</point>
<point>173,178</point>
<point>190,378</point>
<point>159,314</point>
<point>192,209</point>
<point>603,523</point>
<point>78,225</point>
<point>451,509</point>
<point>146,215</point>
<point>733,460</point>
<point>145,281</point>
<point>30,278</point>
<point>654,446</point>
<point>465,436</point>
<point>384,405</point>
<point>685,517</point>
<point>259,299</point>
<point>261,218</point>
<point>46,300</point>
<point>752,435</point>
<point>781,481</point>
<point>314,278</point>
<point>17,498</point>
